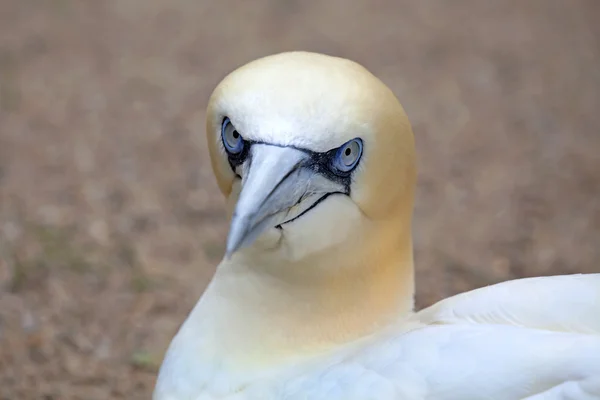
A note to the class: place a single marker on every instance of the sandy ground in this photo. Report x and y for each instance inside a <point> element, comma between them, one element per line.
<point>111,222</point>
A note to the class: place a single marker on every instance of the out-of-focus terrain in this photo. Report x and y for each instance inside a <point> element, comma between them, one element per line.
<point>111,223</point>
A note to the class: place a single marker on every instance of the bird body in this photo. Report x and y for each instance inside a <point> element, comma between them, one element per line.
<point>507,341</point>
<point>314,298</point>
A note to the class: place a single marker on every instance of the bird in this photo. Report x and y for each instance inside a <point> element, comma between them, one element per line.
<point>314,296</point>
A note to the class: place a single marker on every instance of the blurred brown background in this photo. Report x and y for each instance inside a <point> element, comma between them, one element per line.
<point>111,222</point>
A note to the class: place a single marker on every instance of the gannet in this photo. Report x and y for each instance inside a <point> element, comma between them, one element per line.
<point>314,296</point>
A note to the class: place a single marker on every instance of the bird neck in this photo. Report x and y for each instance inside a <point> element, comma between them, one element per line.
<point>254,314</point>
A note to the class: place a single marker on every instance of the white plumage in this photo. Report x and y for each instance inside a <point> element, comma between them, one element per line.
<point>314,298</point>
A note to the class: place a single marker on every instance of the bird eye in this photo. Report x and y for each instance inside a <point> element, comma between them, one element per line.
<point>232,140</point>
<point>347,156</point>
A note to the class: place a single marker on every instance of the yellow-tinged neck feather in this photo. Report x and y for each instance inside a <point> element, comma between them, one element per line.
<point>257,316</point>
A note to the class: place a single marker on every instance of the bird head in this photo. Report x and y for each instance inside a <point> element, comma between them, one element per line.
<point>313,152</point>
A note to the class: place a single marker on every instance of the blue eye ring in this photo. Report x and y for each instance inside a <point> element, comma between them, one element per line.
<point>348,155</point>
<point>232,139</point>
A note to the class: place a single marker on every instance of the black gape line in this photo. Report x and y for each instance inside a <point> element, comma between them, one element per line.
<point>316,203</point>
<point>320,163</point>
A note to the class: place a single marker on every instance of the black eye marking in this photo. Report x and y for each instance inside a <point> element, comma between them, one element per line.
<point>237,152</point>
<point>324,163</point>
<point>327,164</point>
<point>235,160</point>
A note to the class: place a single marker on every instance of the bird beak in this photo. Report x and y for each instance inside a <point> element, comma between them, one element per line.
<point>274,179</point>
<point>270,185</point>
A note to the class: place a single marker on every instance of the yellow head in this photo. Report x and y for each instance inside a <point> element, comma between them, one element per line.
<point>314,154</point>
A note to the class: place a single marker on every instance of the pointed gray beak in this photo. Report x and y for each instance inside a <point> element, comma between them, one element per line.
<point>274,179</point>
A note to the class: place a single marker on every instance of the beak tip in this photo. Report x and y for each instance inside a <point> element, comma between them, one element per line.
<point>231,247</point>
<point>228,253</point>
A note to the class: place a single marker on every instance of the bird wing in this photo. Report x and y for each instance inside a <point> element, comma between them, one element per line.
<point>457,362</point>
<point>536,338</point>
<point>564,303</point>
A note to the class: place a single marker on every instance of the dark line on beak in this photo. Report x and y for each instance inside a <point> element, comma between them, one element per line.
<point>295,168</point>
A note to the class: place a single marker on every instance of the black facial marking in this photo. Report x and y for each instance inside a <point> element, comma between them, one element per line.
<point>237,159</point>
<point>316,203</point>
<point>320,163</point>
